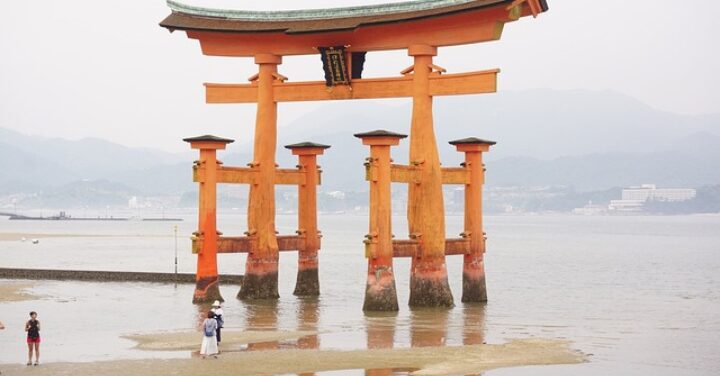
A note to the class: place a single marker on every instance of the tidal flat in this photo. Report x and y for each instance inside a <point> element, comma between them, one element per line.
<point>617,295</point>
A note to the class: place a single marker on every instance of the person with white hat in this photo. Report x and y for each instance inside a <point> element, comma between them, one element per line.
<point>218,311</point>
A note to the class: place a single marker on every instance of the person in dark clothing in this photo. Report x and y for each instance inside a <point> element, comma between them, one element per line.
<point>218,311</point>
<point>32,327</point>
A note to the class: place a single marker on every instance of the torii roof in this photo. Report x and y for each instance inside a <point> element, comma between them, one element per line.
<point>186,17</point>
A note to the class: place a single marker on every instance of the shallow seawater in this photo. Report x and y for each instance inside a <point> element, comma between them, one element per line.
<point>639,295</point>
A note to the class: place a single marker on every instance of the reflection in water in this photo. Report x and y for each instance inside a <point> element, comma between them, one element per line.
<point>380,329</point>
<point>474,323</point>
<point>428,327</point>
<point>262,315</point>
<point>308,315</point>
<point>421,328</point>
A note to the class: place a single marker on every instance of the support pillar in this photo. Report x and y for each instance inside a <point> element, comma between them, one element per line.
<point>261,268</point>
<point>474,289</point>
<point>308,283</point>
<point>426,212</point>
<point>380,292</point>
<point>206,278</point>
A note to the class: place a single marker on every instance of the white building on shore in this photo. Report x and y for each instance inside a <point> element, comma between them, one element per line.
<point>633,198</point>
<point>649,192</point>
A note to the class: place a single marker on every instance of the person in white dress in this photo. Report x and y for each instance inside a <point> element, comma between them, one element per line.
<point>209,345</point>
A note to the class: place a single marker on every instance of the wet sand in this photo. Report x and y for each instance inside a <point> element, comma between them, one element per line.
<point>190,340</point>
<point>451,360</point>
<point>16,292</point>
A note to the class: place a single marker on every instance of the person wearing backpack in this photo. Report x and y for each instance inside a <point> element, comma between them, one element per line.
<point>209,342</point>
<point>218,311</point>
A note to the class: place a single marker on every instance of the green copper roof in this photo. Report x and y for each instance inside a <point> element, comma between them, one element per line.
<point>314,14</point>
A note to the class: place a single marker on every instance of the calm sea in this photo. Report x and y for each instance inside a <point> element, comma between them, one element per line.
<point>640,295</point>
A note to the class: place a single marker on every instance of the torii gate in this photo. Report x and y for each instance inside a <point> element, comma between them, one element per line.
<point>343,36</point>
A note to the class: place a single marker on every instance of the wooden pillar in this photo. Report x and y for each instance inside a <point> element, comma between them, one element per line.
<point>474,289</point>
<point>380,292</point>
<point>261,268</point>
<point>307,278</point>
<point>426,213</point>
<point>206,277</point>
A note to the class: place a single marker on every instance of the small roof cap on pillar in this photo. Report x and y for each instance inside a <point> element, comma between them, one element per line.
<point>307,145</point>
<point>379,133</point>
<point>209,138</point>
<point>472,141</point>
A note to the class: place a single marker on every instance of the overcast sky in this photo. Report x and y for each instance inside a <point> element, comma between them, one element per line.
<point>105,69</point>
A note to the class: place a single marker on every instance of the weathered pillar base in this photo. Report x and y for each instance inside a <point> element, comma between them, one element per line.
<point>308,283</point>
<point>429,286</point>
<point>260,280</point>
<point>380,292</point>
<point>207,290</point>
<point>474,290</point>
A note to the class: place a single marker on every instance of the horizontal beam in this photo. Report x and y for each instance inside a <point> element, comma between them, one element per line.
<point>410,174</point>
<point>369,88</point>
<point>454,175</point>
<point>285,176</point>
<point>411,247</point>
<point>404,174</point>
<point>236,175</point>
<point>244,244</point>
<point>245,175</point>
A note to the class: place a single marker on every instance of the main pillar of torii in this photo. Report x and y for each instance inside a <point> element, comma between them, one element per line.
<point>419,27</point>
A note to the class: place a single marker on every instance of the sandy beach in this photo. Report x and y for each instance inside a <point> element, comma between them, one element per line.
<point>451,360</point>
<point>188,340</point>
<point>15,292</point>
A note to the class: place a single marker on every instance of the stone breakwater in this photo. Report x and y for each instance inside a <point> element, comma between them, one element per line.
<point>107,276</point>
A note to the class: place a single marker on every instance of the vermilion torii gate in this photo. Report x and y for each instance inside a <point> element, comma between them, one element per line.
<point>343,36</point>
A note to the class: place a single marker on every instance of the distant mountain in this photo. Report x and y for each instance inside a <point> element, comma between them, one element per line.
<point>41,161</point>
<point>692,162</point>
<point>585,139</point>
<point>543,123</point>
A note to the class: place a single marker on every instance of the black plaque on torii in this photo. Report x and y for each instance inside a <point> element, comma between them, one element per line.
<point>335,65</point>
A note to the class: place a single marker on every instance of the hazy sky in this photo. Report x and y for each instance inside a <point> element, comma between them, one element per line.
<point>105,69</point>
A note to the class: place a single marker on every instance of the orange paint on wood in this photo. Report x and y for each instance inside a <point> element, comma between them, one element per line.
<point>474,289</point>
<point>426,212</point>
<point>411,247</point>
<point>207,271</point>
<point>380,293</point>
<point>368,88</point>
<point>307,283</point>
<point>261,266</point>
<point>245,244</point>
